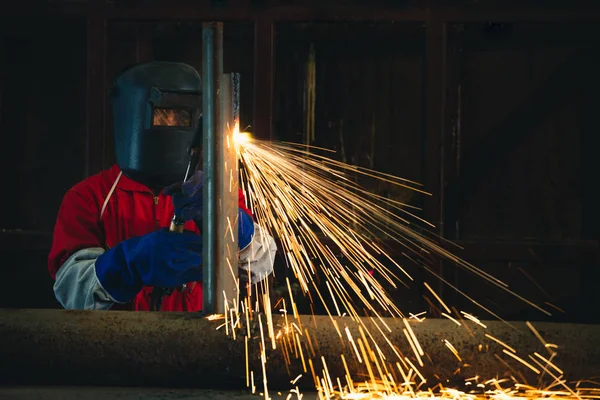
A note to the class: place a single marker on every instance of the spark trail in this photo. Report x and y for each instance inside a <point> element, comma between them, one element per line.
<point>298,193</point>
<point>314,206</point>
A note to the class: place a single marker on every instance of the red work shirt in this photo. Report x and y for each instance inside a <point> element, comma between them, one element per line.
<point>132,210</point>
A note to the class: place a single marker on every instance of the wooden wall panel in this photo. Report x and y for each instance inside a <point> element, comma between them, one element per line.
<point>522,124</point>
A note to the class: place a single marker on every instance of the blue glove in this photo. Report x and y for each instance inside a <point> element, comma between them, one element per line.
<point>161,258</point>
<point>245,228</point>
<point>187,201</point>
<point>187,198</point>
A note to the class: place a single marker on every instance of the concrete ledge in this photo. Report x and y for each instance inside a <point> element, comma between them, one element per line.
<point>118,348</point>
<point>95,393</point>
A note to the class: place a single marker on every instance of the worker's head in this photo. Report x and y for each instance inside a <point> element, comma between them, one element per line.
<point>156,113</point>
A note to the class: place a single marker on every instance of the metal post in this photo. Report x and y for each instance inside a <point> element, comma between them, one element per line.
<point>219,224</point>
<point>227,184</point>
<point>436,105</point>
<point>212,66</point>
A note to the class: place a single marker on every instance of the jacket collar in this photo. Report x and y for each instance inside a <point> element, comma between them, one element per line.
<point>125,183</point>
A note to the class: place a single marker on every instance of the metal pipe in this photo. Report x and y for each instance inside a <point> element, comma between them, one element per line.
<point>123,348</point>
<point>212,68</point>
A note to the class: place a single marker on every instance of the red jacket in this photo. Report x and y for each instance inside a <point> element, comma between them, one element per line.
<point>132,211</point>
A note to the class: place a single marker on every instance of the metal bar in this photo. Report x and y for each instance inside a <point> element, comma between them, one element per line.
<point>354,13</point>
<point>434,114</point>
<point>263,78</point>
<point>248,13</point>
<point>212,66</point>
<point>202,11</point>
<point>446,14</point>
<point>452,149</point>
<point>226,167</point>
<point>61,347</point>
<point>96,88</point>
<point>435,110</point>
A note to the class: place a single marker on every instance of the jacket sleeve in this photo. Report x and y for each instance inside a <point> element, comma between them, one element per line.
<point>258,258</point>
<point>77,286</point>
<point>76,243</point>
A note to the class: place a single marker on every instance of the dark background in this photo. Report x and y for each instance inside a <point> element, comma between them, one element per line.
<point>493,105</point>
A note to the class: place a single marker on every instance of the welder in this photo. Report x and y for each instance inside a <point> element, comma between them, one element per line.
<point>112,245</point>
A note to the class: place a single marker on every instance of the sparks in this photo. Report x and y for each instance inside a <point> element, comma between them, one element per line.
<point>314,206</point>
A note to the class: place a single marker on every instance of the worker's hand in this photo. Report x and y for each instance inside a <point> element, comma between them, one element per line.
<point>187,201</point>
<point>187,198</point>
<point>245,229</point>
<point>161,258</point>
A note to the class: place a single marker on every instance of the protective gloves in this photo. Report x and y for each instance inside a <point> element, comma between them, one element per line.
<point>187,198</point>
<point>245,229</point>
<point>187,201</point>
<point>161,258</point>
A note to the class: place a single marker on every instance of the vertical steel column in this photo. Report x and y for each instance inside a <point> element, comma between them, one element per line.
<point>219,224</point>
<point>435,113</point>
<point>212,67</point>
<point>227,183</point>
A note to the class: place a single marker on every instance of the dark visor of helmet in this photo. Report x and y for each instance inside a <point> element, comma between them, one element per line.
<point>176,117</point>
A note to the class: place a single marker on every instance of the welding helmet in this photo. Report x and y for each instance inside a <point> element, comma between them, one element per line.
<point>156,116</point>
